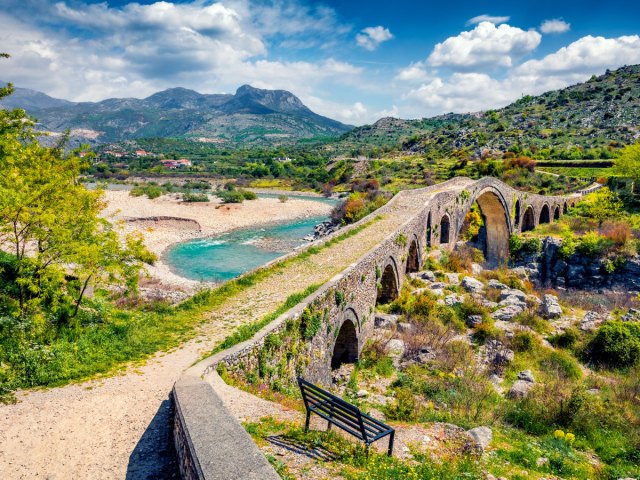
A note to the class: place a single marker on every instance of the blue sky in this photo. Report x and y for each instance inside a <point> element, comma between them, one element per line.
<point>352,60</point>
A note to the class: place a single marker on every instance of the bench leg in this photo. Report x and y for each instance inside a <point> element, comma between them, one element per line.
<point>306,423</point>
<point>390,452</point>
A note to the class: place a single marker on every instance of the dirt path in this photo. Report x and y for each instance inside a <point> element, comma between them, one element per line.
<point>119,427</point>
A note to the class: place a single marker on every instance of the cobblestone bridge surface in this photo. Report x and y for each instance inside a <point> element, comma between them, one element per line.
<point>121,426</point>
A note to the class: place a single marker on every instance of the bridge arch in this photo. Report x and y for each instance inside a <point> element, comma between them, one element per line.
<point>413,256</point>
<point>517,214</point>
<point>428,239</point>
<point>445,229</point>
<point>528,220</point>
<point>545,215</point>
<point>565,208</point>
<point>389,284</point>
<point>556,213</point>
<point>346,347</point>
<point>495,215</point>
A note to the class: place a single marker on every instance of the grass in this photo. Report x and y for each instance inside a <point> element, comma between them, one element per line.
<point>109,337</point>
<point>581,172</point>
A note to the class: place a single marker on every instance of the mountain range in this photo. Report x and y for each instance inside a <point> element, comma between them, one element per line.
<point>251,116</point>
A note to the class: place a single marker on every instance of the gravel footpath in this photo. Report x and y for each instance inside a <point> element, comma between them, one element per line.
<point>119,426</point>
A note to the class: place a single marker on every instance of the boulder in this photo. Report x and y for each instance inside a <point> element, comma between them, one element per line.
<point>512,300</point>
<point>425,355</point>
<point>507,313</point>
<point>493,283</point>
<point>473,321</point>
<point>452,278</point>
<point>482,436</point>
<point>476,269</point>
<point>453,299</point>
<point>385,321</point>
<point>395,346</point>
<point>428,275</point>
<point>520,389</point>
<point>633,315</point>
<point>526,376</point>
<point>362,394</point>
<point>437,285</point>
<point>472,285</point>
<point>404,327</point>
<point>512,292</point>
<point>550,307</point>
<point>590,321</point>
<point>438,292</point>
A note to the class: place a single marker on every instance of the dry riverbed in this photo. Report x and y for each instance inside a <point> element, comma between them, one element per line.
<point>166,220</point>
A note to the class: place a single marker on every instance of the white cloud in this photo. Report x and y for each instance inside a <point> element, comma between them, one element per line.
<point>370,38</point>
<point>414,73</point>
<point>488,18</point>
<point>485,45</point>
<point>555,25</point>
<point>471,91</point>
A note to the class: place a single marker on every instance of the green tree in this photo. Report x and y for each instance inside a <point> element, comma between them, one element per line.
<point>602,204</point>
<point>628,164</point>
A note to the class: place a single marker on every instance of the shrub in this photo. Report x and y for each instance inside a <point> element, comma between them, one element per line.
<point>591,244</point>
<point>566,339</point>
<point>616,344</point>
<point>619,233</point>
<point>524,341</point>
<point>283,198</point>
<point>230,196</point>
<point>561,365</point>
<point>195,197</point>
<point>248,195</point>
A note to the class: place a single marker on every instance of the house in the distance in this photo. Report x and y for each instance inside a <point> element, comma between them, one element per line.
<point>173,164</point>
<point>143,153</point>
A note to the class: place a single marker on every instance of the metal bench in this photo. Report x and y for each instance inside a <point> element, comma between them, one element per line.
<point>343,415</point>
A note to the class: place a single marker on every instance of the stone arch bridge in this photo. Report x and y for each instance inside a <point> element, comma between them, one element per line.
<point>344,306</point>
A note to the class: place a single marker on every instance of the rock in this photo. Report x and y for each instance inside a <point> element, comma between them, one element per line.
<point>404,327</point>
<point>633,315</point>
<point>438,292</point>
<point>452,278</point>
<point>472,285</point>
<point>507,313</point>
<point>497,354</point>
<point>533,300</point>
<point>482,436</point>
<point>488,303</point>
<point>493,283</point>
<point>521,272</point>
<point>425,355</point>
<point>473,321</point>
<point>512,300</point>
<point>453,299</point>
<point>512,292</point>
<point>550,307</point>
<point>438,285</point>
<point>541,461</point>
<point>428,275</point>
<point>395,347</point>
<point>520,389</point>
<point>362,393</point>
<point>476,269</point>
<point>590,321</point>
<point>385,321</point>
<point>527,376</point>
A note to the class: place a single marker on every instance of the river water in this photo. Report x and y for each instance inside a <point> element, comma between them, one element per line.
<point>229,255</point>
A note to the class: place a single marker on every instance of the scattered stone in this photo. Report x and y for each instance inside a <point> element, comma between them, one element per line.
<point>453,278</point>
<point>633,315</point>
<point>362,393</point>
<point>541,461</point>
<point>493,283</point>
<point>428,275</point>
<point>507,313</point>
<point>590,321</point>
<point>438,292</point>
<point>385,321</point>
<point>404,327</point>
<point>520,389</point>
<point>521,272</point>
<point>472,285</point>
<point>453,299</point>
<point>512,292</point>
<point>550,307</point>
<point>425,355</point>
<point>533,300</point>
<point>473,321</point>
<point>488,303</point>
<point>437,285</point>
<point>482,436</point>
<point>527,376</point>
<point>476,269</point>
<point>395,346</point>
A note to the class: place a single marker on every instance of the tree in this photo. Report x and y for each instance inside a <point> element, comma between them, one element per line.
<point>52,226</point>
<point>628,164</point>
<point>601,205</point>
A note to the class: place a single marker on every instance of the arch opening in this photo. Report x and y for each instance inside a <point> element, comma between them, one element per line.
<point>545,215</point>
<point>413,257</point>
<point>517,213</point>
<point>345,349</point>
<point>388,287</point>
<point>556,213</point>
<point>445,229</point>
<point>565,209</point>
<point>487,225</point>
<point>529,220</point>
<point>428,243</point>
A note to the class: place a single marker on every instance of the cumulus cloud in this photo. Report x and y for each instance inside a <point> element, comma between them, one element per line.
<point>82,51</point>
<point>414,73</point>
<point>370,38</point>
<point>555,25</point>
<point>485,45</point>
<point>472,91</point>
<point>488,18</point>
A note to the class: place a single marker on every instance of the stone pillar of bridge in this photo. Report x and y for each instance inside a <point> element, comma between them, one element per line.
<point>496,220</point>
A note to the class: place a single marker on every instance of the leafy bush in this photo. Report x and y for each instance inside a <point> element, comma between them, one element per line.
<point>283,198</point>
<point>591,244</point>
<point>195,197</point>
<point>230,196</point>
<point>524,341</point>
<point>616,344</point>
